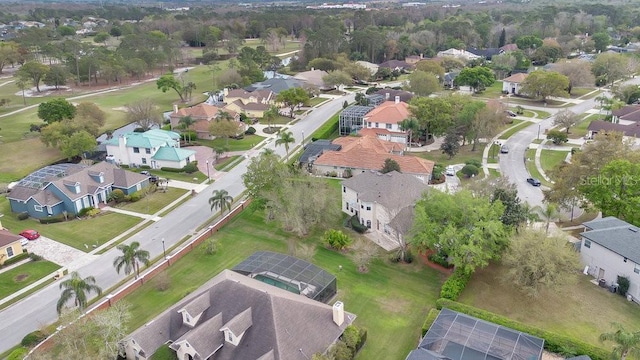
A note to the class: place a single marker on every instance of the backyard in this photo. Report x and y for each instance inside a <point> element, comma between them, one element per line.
<point>389,299</point>
<point>582,311</point>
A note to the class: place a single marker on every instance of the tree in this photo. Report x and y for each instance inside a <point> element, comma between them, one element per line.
<point>262,176</point>
<point>627,343</point>
<point>285,138</point>
<point>91,116</point>
<point>363,252</point>
<point>557,137</point>
<point>566,119</point>
<point>389,166</point>
<point>578,72</point>
<point>542,84</point>
<point>609,67</point>
<point>65,30</point>
<point>628,94</point>
<point>56,110</point>
<point>224,129</point>
<point>411,126</point>
<point>336,78</point>
<point>547,213</point>
<point>77,288</point>
<point>423,83</point>
<point>537,262</point>
<point>34,71</point>
<point>601,40</point>
<point>8,54</point>
<point>101,37</point>
<point>56,76</point>
<point>515,211</point>
<point>477,78</point>
<point>503,38</point>
<point>144,113</point>
<point>221,199</point>
<point>270,115</point>
<point>451,144</point>
<point>292,98</point>
<point>77,144</point>
<point>528,42</point>
<point>433,114</point>
<point>463,226</point>
<point>22,85</point>
<point>470,170</point>
<point>168,82</point>
<point>185,123</point>
<point>431,66</point>
<point>131,258</point>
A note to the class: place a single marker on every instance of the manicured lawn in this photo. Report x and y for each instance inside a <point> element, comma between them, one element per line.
<point>494,173</point>
<point>225,162</point>
<point>465,154</point>
<point>280,120</point>
<point>389,299</point>
<point>580,129</point>
<point>549,159</point>
<point>494,154</point>
<point>153,202</point>
<point>182,176</point>
<point>246,143</point>
<point>493,92</point>
<point>317,100</point>
<point>578,92</point>
<point>582,311</point>
<point>19,277</point>
<point>516,126</point>
<point>531,167</point>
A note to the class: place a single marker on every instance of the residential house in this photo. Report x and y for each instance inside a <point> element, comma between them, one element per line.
<point>10,245</point>
<point>373,68</point>
<point>154,148</point>
<point>313,77</point>
<point>253,104</point>
<point>397,65</point>
<point>203,114</point>
<point>458,54</point>
<point>234,316</point>
<point>449,78</point>
<point>313,150</point>
<point>73,190</point>
<point>383,202</point>
<point>609,248</point>
<point>625,120</point>
<point>513,83</point>
<point>365,153</point>
<point>388,94</point>
<point>486,54</point>
<point>276,85</point>
<point>413,59</point>
<point>384,121</point>
<point>509,48</point>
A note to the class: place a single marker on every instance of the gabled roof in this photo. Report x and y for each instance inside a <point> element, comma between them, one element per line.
<point>168,153</point>
<point>389,112</point>
<point>629,113</point>
<point>621,238</point>
<point>604,223</point>
<point>509,47</point>
<point>276,85</point>
<point>239,324</point>
<point>205,339</point>
<point>390,94</point>
<point>197,306</point>
<point>251,106</point>
<point>7,238</point>
<point>395,64</point>
<point>313,77</point>
<point>89,184</point>
<point>516,78</point>
<point>200,111</point>
<point>148,139</point>
<point>393,190</point>
<point>632,130</point>
<point>260,95</point>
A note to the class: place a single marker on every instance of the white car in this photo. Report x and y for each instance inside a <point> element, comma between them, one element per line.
<point>24,242</point>
<point>450,171</point>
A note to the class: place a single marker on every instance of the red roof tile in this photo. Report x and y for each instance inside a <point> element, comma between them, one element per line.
<point>389,112</point>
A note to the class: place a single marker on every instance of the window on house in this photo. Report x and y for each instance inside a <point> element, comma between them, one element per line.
<point>346,205</point>
<point>369,224</point>
<point>344,189</point>
<point>368,207</point>
<point>377,124</point>
<point>9,251</point>
<point>147,151</point>
<point>361,206</point>
<point>587,243</point>
<point>144,160</point>
<point>229,336</point>
<point>636,269</point>
<point>136,150</point>
<point>37,207</point>
<point>389,126</point>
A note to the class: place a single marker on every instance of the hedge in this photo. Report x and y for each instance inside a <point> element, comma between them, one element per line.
<point>171,169</point>
<point>16,258</point>
<point>431,317</point>
<point>455,284</point>
<point>327,129</point>
<point>52,219</point>
<point>555,343</point>
<point>33,338</point>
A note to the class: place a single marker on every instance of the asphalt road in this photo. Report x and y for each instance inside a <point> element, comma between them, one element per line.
<point>39,309</point>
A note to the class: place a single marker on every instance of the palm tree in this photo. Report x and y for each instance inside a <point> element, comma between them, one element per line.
<point>409,125</point>
<point>131,256</point>
<point>271,115</point>
<point>77,288</point>
<point>627,343</point>
<point>285,138</point>
<point>185,123</point>
<point>547,214</point>
<point>223,115</point>
<point>220,199</point>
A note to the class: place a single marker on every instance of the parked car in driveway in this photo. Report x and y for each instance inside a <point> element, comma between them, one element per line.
<point>30,234</point>
<point>511,113</point>
<point>534,181</point>
<point>450,171</point>
<point>24,242</point>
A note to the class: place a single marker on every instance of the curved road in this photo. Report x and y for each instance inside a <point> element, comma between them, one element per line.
<point>39,309</point>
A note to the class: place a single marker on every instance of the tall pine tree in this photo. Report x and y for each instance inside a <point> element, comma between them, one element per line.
<point>503,38</point>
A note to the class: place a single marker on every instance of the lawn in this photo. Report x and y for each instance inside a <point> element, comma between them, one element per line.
<point>582,311</point>
<point>492,92</point>
<point>465,154</point>
<point>225,162</point>
<point>532,169</point>
<point>494,156</point>
<point>579,92</point>
<point>280,120</point>
<point>181,176</point>
<point>246,143</point>
<point>549,159</point>
<point>19,277</point>
<point>580,129</point>
<point>17,161</point>
<point>516,126</point>
<point>389,299</point>
<point>317,101</point>
<point>154,202</point>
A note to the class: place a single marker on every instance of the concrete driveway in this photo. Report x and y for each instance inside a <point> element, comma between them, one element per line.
<point>59,253</point>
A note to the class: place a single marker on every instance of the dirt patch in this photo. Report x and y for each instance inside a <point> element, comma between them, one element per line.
<point>21,277</point>
<point>394,305</point>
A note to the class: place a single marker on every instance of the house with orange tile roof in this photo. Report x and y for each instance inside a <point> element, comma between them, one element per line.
<point>365,153</point>
<point>202,114</point>
<point>513,83</point>
<point>384,121</point>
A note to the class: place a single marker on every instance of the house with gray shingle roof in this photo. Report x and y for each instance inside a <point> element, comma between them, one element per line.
<point>610,247</point>
<point>242,318</point>
<point>383,202</point>
<point>154,148</point>
<point>79,189</point>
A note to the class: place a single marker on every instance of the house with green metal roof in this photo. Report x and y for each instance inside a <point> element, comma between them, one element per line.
<point>154,148</point>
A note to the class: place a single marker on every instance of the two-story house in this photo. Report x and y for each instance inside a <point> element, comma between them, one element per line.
<point>202,115</point>
<point>384,121</point>
<point>154,148</point>
<point>253,104</point>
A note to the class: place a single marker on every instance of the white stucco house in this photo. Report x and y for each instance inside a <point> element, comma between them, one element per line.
<point>383,202</point>
<point>384,121</point>
<point>154,148</point>
<point>513,84</point>
<point>610,248</point>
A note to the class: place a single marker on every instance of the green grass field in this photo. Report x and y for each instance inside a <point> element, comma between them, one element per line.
<point>153,202</point>
<point>21,276</point>
<point>389,299</point>
<point>532,169</point>
<point>549,159</point>
<point>580,129</point>
<point>582,311</point>
<point>465,154</point>
<point>225,162</point>
<point>246,143</point>
<point>516,126</point>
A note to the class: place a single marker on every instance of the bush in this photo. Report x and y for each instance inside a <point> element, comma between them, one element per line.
<point>127,198</point>
<point>124,166</point>
<point>33,338</point>
<point>558,137</point>
<point>93,212</point>
<point>52,219</point>
<point>347,173</point>
<point>250,131</point>
<point>356,226</point>
<point>438,171</point>
<point>333,174</point>
<point>116,195</point>
<point>136,196</point>
<point>336,239</point>
<point>439,258</point>
<point>145,167</point>
<point>474,162</point>
<point>431,317</point>
<point>83,212</point>
<point>351,336</point>
<point>188,135</point>
<point>623,285</point>
<point>554,343</point>
<point>34,257</point>
<point>18,354</point>
<point>23,216</point>
<point>455,284</point>
<point>16,259</point>
<point>190,168</point>
<point>470,170</point>
<point>171,169</point>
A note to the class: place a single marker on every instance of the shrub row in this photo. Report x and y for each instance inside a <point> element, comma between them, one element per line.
<point>328,128</point>
<point>439,258</point>
<point>171,169</point>
<point>555,343</point>
<point>16,258</point>
<point>52,219</point>
<point>355,225</point>
<point>431,317</point>
<point>33,338</point>
<point>23,216</point>
<point>455,284</point>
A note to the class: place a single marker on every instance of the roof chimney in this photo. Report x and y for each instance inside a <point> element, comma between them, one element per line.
<point>338,313</point>
<point>397,99</point>
<point>175,108</point>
